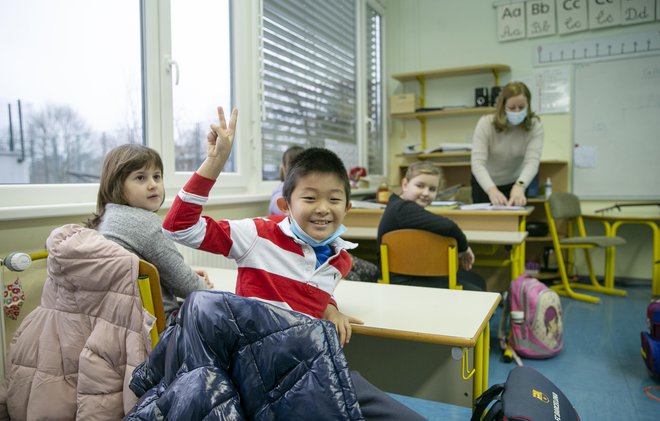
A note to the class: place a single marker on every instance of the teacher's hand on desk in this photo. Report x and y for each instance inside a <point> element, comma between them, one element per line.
<point>496,197</point>
<point>517,196</point>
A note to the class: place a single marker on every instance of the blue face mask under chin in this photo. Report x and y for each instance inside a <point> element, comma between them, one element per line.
<point>298,232</point>
<point>515,119</point>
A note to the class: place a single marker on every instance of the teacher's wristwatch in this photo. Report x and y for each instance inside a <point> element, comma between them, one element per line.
<point>520,183</point>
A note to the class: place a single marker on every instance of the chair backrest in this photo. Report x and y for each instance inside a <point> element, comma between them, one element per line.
<point>564,205</point>
<point>419,253</point>
<point>152,297</point>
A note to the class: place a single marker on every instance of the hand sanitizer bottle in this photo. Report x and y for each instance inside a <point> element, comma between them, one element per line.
<point>548,187</point>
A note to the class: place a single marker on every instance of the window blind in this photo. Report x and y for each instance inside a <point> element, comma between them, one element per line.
<point>309,73</point>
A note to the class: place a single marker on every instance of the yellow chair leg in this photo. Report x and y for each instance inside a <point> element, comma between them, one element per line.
<point>565,288</point>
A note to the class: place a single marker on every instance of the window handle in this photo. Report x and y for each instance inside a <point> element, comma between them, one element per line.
<point>371,125</point>
<point>172,64</point>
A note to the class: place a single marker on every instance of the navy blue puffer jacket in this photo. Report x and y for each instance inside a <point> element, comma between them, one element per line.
<point>235,358</point>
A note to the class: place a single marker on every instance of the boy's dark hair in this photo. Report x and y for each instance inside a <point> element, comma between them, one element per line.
<point>315,160</point>
<point>119,163</point>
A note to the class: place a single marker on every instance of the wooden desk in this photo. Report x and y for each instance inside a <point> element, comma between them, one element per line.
<point>474,221</point>
<point>405,316</point>
<point>643,216</point>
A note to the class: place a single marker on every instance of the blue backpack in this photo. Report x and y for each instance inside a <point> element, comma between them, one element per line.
<point>651,339</point>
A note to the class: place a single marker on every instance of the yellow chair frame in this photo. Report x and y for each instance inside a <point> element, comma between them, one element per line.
<point>417,252</point>
<point>152,298</point>
<point>566,207</point>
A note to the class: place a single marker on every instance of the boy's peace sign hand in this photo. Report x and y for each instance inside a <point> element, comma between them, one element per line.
<point>221,137</point>
<point>220,140</point>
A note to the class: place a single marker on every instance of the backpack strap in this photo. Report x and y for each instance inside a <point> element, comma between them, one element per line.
<point>495,412</point>
<point>481,403</point>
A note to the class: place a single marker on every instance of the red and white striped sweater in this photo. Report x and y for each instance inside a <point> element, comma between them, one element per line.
<point>273,264</point>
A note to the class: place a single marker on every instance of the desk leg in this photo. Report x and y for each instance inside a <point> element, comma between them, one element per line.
<point>486,352</point>
<point>517,261</point>
<point>522,227</point>
<point>481,355</point>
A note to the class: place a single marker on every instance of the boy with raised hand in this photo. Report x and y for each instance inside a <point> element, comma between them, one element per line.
<point>295,263</point>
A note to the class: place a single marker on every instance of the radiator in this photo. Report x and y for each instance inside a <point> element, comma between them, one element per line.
<point>201,258</point>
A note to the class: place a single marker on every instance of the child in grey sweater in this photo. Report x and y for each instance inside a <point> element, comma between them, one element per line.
<point>130,192</point>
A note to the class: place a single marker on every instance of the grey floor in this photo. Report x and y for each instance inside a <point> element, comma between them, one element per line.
<point>600,368</point>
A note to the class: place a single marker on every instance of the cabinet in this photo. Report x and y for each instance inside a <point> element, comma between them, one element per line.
<point>422,77</point>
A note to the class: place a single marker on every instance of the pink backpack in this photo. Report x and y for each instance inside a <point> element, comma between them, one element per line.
<point>533,316</point>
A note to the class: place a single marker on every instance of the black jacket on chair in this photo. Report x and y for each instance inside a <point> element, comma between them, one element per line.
<point>233,358</point>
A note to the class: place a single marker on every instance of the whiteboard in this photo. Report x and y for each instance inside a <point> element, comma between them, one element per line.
<point>617,122</point>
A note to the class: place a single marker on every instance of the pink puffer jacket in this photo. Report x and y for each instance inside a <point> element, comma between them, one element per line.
<point>73,356</point>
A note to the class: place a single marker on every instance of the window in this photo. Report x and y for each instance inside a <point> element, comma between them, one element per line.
<point>310,72</point>
<point>201,76</point>
<point>71,88</point>
<point>98,74</point>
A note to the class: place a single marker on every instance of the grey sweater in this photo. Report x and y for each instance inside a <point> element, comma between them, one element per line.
<point>139,231</point>
<point>500,158</point>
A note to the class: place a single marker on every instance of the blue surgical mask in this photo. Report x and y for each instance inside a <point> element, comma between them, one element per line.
<point>516,118</point>
<point>298,232</point>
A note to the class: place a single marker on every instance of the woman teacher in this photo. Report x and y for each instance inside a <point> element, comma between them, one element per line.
<point>506,149</point>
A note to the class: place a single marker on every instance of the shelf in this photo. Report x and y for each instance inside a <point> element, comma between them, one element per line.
<point>456,71</point>
<point>466,163</point>
<point>421,78</point>
<point>450,112</point>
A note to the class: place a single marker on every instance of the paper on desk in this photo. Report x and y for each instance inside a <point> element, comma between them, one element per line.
<point>444,203</point>
<point>362,204</point>
<point>488,206</point>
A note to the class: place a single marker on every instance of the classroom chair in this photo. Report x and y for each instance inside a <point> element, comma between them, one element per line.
<point>152,298</point>
<point>150,293</point>
<point>564,208</point>
<point>417,252</point>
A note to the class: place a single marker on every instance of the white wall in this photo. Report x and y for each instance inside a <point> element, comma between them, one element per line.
<point>433,34</point>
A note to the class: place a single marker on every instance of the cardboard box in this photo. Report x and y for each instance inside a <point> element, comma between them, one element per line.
<point>404,103</point>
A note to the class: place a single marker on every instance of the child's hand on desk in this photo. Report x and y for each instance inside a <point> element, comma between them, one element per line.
<point>466,259</point>
<point>342,322</point>
<point>205,275</point>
